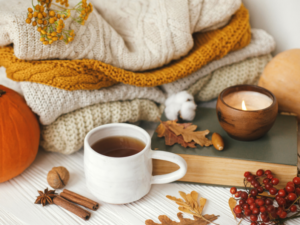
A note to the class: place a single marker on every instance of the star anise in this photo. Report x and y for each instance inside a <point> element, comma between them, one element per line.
<point>45,197</point>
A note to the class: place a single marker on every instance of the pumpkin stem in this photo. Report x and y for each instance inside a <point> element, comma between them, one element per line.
<point>2,92</point>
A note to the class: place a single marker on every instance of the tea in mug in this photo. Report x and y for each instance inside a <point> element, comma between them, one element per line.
<point>118,146</point>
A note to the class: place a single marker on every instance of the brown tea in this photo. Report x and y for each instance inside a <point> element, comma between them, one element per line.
<point>118,146</point>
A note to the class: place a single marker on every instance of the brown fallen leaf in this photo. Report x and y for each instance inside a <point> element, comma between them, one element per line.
<point>189,134</point>
<point>232,204</point>
<point>266,194</point>
<point>202,204</point>
<point>189,204</point>
<point>171,138</point>
<point>183,221</point>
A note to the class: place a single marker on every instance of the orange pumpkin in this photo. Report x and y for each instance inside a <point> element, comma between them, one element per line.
<point>282,77</point>
<point>19,134</point>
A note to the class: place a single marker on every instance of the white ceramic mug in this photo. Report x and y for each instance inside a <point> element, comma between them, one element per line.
<point>120,180</point>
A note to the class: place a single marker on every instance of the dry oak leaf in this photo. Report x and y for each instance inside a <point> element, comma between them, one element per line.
<point>232,204</point>
<point>189,134</point>
<point>183,221</point>
<point>171,138</point>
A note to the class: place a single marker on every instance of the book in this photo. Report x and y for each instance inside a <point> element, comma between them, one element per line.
<point>276,151</point>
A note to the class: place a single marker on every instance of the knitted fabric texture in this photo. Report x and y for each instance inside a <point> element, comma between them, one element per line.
<point>50,102</point>
<point>245,72</point>
<point>132,35</point>
<point>261,43</point>
<point>93,74</point>
<point>66,135</point>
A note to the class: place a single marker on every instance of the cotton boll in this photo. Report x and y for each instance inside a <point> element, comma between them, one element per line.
<point>187,111</point>
<point>170,100</point>
<point>183,96</point>
<point>183,103</point>
<point>172,111</point>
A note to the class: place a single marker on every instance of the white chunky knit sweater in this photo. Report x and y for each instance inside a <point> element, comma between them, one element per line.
<point>261,43</point>
<point>130,34</point>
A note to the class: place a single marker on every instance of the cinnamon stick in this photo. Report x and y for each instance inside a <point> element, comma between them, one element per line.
<point>82,213</point>
<point>79,199</point>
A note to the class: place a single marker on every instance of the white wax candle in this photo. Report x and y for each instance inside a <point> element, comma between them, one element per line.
<point>252,100</point>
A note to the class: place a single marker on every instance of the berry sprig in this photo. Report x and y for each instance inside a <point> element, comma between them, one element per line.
<point>258,208</point>
<point>50,22</point>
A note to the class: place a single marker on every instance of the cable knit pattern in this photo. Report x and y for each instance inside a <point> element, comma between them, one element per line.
<point>245,72</point>
<point>50,102</point>
<point>93,74</point>
<point>66,134</point>
<point>134,35</point>
<point>261,43</point>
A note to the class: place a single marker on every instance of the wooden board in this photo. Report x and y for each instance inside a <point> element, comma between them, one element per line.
<point>220,171</point>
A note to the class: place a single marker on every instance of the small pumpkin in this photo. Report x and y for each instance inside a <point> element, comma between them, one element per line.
<point>282,77</point>
<point>19,134</point>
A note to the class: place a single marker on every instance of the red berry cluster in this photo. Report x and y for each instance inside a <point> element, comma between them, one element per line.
<point>257,208</point>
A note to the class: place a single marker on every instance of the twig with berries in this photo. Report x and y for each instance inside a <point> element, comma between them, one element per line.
<point>262,203</point>
<point>50,22</point>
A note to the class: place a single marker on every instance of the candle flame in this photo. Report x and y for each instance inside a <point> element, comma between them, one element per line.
<point>244,105</point>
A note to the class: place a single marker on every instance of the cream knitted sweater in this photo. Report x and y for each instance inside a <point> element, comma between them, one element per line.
<point>66,134</point>
<point>131,34</point>
<point>245,72</point>
<point>50,102</point>
<point>261,43</point>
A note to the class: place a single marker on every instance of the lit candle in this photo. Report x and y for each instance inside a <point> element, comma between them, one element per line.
<point>246,112</point>
<point>248,100</point>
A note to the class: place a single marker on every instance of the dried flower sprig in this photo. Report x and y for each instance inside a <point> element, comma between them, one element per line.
<point>50,22</point>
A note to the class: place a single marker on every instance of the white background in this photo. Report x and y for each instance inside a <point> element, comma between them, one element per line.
<point>280,18</point>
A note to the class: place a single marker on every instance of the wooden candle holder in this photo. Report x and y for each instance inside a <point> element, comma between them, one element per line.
<point>246,125</point>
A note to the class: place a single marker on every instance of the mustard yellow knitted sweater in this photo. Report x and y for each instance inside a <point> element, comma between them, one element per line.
<point>92,74</point>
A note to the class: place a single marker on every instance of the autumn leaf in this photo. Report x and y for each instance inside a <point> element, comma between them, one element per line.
<point>266,194</point>
<point>202,204</point>
<point>174,198</point>
<point>194,195</point>
<point>183,221</point>
<point>232,204</point>
<point>189,134</point>
<point>189,204</point>
<point>171,138</point>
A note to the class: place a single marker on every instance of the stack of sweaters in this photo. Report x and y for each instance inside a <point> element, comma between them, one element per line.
<point>128,58</point>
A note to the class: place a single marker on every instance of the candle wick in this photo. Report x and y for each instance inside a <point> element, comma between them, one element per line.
<point>244,105</point>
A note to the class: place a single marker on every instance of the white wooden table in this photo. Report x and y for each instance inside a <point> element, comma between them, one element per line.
<point>17,197</point>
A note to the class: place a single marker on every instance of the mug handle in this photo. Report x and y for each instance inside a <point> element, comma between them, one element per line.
<point>170,177</point>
